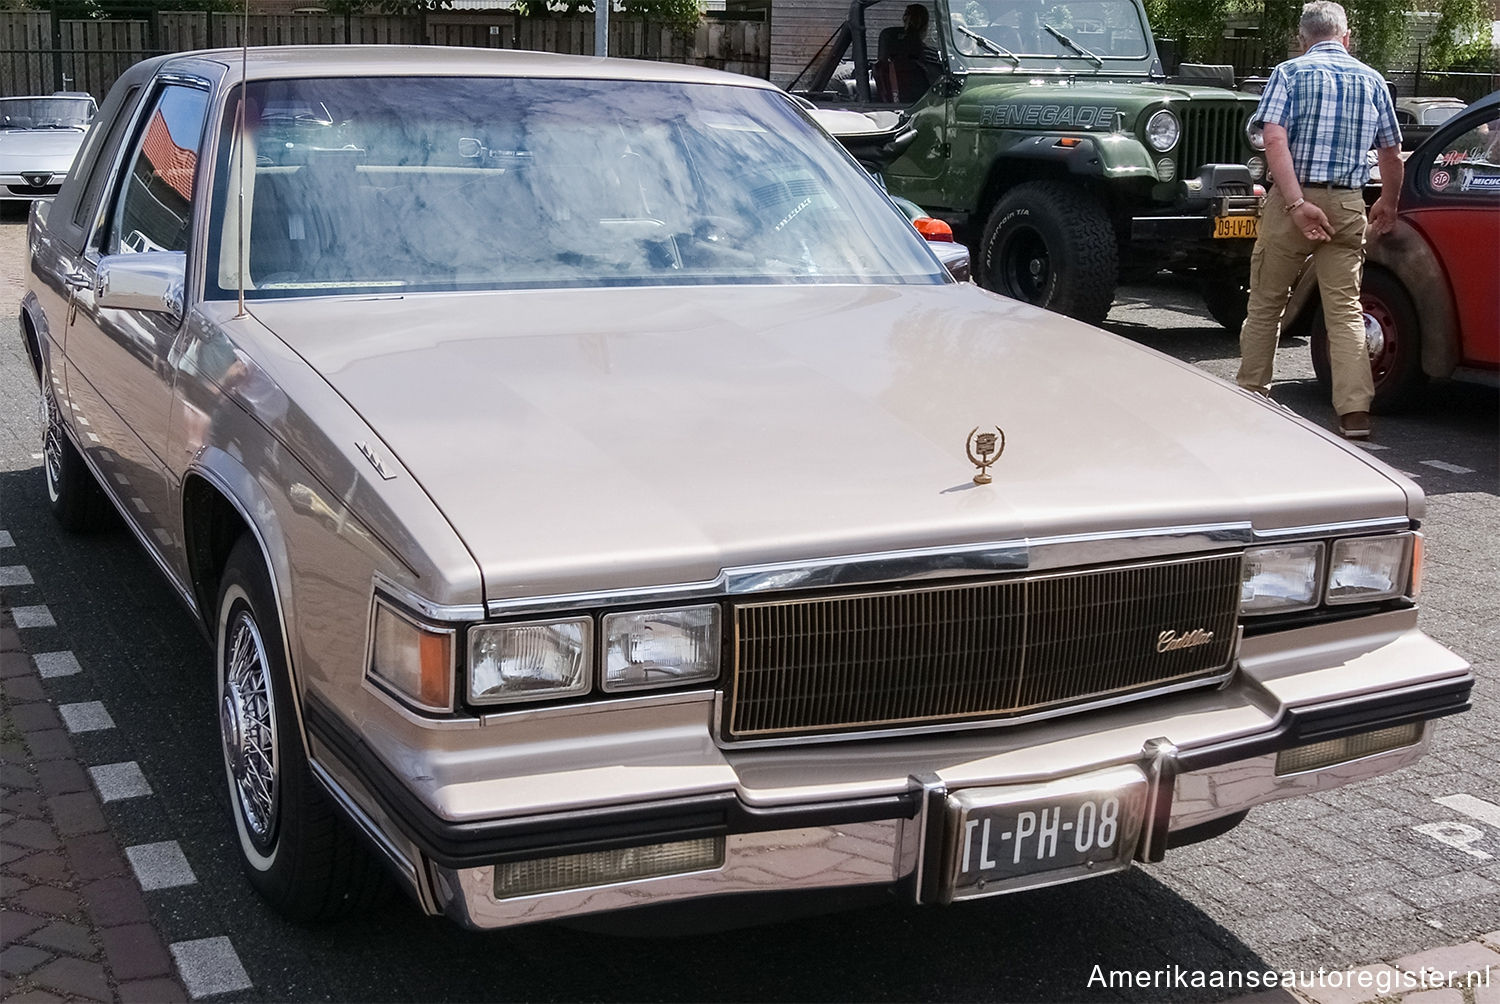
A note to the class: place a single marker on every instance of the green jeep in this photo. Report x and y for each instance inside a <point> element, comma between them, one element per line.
<point>1048,136</point>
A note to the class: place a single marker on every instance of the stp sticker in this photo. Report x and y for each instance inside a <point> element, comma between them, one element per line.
<point>1441,180</point>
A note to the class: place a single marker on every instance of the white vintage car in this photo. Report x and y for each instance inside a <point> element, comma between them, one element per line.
<point>599,497</point>
<point>39,137</point>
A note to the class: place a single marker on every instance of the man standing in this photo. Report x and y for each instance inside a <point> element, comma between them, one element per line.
<point>1321,113</point>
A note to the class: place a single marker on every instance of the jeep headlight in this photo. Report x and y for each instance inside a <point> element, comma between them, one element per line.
<point>1281,578</point>
<point>646,649</point>
<point>1162,131</point>
<point>1363,569</point>
<point>537,660</point>
<point>1257,167</point>
<point>1256,134</point>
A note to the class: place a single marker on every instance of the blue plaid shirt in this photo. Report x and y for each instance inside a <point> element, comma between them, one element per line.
<point>1334,109</point>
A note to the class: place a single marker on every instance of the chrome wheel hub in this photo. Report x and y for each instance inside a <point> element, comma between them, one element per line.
<point>1374,336</point>
<point>247,726</point>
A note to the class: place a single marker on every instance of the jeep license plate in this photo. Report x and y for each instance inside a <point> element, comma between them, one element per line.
<point>1237,226</point>
<point>1021,836</point>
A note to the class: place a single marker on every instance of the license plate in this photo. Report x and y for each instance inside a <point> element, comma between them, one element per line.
<point>1237,226</point>
<point>1023,836</point>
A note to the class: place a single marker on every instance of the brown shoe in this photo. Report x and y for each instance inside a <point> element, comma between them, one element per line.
<point>1355,425</point>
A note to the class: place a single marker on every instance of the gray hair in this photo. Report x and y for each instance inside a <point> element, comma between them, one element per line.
<point>1323,19</point>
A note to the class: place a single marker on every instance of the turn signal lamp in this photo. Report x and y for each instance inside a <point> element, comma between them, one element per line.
<point>414,660</point>
<point>1414,587</point>
<point>1315,756</point>
<point>933,229</point>
<point>626,864</point>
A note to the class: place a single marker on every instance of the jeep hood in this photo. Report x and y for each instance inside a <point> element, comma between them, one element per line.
<point>580,440</point>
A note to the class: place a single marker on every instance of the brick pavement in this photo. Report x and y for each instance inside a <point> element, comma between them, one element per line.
<point>73,920</point>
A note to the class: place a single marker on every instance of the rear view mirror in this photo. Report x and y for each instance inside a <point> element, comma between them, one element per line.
<point>151,281</point>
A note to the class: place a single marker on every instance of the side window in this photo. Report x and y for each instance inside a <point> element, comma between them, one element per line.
<point>85,213</point>
<point>1468,164</point>
<point>153,208</point>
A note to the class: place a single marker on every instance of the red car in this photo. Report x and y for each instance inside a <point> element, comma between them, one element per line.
<point>1431,292</point>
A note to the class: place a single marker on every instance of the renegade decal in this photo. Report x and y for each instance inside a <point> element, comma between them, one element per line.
<point>1054,116</point>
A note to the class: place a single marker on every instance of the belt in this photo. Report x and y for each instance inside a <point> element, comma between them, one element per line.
<point>1329,184</point>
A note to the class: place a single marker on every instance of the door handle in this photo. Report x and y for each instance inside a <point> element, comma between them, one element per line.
<point>78,280</point>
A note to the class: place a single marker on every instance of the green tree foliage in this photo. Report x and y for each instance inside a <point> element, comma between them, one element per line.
<point>1462,39</point>
<point>384,6</point>
<point>1378,26</point>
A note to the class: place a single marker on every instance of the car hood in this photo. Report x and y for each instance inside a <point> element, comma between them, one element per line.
<point>39,149</point>
<point>614,438</point>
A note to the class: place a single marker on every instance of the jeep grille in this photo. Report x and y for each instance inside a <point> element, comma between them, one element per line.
<point>1212,134</point>
<point>989,650</point>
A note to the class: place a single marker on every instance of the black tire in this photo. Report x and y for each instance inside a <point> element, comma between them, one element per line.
<point>76,500</point>
<point>1396,367</point>
<point>1051,244</point>
<point>297,852</point>
<point>1226,299</point>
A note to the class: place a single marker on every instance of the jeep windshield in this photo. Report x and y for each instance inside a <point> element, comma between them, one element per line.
<point>1043,32</point>
<point>419,183</point>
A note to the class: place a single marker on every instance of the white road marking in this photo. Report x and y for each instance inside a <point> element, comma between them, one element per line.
<point>140,505</point>
<point>93,438</point>
<point>1450,468</point>
<point>50,665</point>
<point>33,617</point>
<point>6,540</point>
<point>120,780</point>
<point>1478,808</point>
<point>86,716</point>
<point>36,456</point>
<point>160,866</point>
<point>209,966</point>
<point>122,479</point>
<point>1371,446</point>
<point>1457,836</point>
<point>15,575</point>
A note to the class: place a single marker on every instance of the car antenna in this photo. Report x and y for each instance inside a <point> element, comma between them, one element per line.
<point>240,129</point>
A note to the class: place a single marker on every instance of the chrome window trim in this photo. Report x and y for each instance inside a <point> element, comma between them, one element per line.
<point>916,564</point>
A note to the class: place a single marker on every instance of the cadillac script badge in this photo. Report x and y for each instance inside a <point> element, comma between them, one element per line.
<point>984,449</point>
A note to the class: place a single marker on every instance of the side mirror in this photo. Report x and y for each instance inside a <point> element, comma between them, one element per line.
<point>151,281</point>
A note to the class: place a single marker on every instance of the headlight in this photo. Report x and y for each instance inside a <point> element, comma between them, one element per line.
<point>1363,569</point>
<point>1257,166</point>
<point>646,649</point>
<point>411,659</point>
<point>528,662</point>
<point>1280,578</point>
<point>1162,131</point>
<point>1256,134</point>
<point>1166,170</point>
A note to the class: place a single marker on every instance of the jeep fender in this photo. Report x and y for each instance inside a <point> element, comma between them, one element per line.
<point>1405,254</point>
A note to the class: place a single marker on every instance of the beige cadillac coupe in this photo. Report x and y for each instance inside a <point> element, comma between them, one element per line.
<point>599,497</point>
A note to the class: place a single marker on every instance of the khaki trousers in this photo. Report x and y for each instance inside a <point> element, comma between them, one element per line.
<point>1279,253</point>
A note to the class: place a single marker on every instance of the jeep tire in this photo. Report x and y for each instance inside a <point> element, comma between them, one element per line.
<point>1226,299</point>
<point>1051,244</point>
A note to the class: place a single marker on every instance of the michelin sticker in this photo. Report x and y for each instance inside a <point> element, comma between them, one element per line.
<point>1468,181</point>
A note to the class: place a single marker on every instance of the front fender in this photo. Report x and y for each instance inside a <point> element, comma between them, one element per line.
<point>36,335</point>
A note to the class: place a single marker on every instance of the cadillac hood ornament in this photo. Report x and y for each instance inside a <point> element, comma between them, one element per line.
<point>984,448</point>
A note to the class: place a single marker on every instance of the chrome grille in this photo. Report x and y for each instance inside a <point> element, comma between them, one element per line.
<point>990,650</point>
<point>1212,134</point>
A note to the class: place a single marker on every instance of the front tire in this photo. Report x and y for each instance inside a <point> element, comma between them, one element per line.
<point>1393,336</point>
<point>77,502</point>
<point>297,853</point>
<point>1051,244</point>
<point>1226,300</point>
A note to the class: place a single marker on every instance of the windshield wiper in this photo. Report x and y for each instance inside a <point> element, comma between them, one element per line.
<point>1065,40</point>
<point>998,50</point>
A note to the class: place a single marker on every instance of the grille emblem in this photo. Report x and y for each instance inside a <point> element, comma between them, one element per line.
<point>984,448</point>
<point>1171,641</point>
<point>37,180</point>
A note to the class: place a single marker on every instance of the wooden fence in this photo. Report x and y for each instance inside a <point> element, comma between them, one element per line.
<point>40,53</point>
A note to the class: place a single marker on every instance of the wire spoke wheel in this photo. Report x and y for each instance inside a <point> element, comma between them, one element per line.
<point>52,445</point>
<point>247,722</point>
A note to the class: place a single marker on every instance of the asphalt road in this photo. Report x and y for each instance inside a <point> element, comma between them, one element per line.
<point>1339,880</point>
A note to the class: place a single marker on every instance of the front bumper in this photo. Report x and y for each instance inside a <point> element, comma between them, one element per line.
<point>810,818</point>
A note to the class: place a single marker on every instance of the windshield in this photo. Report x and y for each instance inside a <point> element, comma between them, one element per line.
<point>45,113</point>
<point>1109,29</point>
<point>397,184</point>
